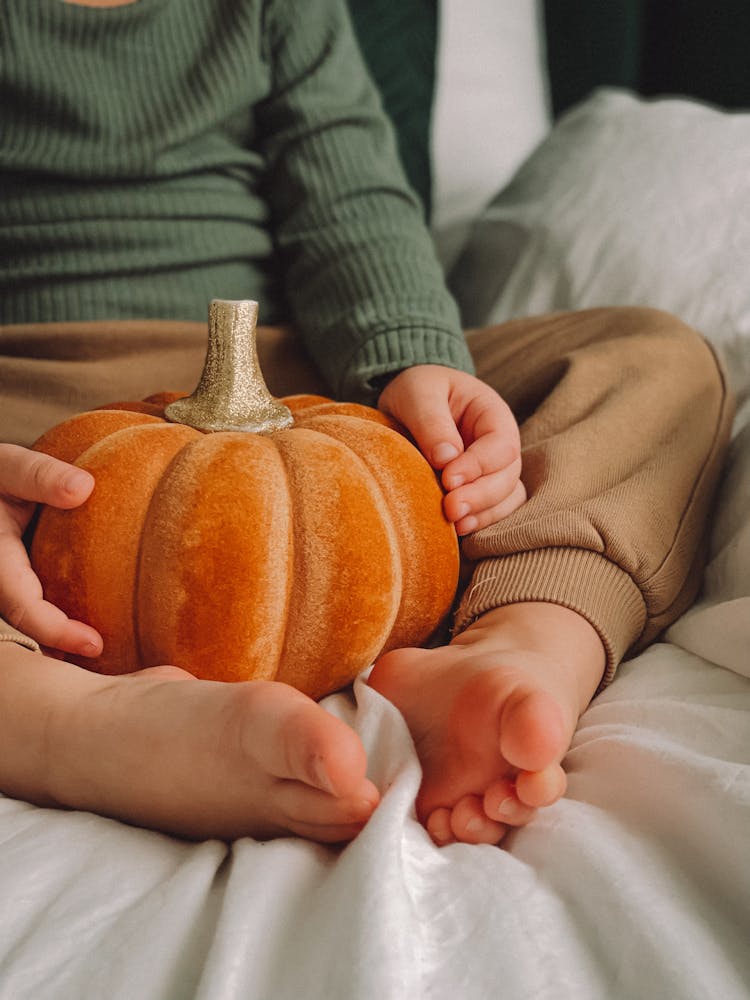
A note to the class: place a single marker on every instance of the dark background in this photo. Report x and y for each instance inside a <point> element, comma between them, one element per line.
<point>696,47</point>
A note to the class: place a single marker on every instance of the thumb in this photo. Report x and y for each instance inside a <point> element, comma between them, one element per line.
<point>32,475</point>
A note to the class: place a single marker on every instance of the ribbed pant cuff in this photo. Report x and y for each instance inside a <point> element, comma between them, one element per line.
<point>583,581</point>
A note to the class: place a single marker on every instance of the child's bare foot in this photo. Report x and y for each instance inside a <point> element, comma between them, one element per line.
<point>492,716</point>
<point>194,758</point>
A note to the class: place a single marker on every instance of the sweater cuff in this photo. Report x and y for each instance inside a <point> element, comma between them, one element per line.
<point>579,579</point>
<point>10,634</point>
<point>391,351</point>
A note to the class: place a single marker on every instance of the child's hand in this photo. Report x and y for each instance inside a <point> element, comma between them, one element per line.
<point>27,477</point>
<point>464,429</point>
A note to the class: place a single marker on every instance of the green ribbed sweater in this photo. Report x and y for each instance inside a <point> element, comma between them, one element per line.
<point>157,155</point>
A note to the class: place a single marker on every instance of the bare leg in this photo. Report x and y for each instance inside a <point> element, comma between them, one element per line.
<point>493,714</point>
<point>163,750</point>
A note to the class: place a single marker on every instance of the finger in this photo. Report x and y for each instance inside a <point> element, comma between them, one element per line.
<point>23,606</point>
<point>51,628</point>
<point>485,492</point>
<point>480,411</point>
<point>436,435</point>
<point>493,452</point>
<point>428,419</point>
<point>475,522</point>
<point>485,495</point>
<point>31,475</point>
<point>486,428</point>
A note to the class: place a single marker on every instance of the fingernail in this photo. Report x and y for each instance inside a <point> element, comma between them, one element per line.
<point>474,826</point>
<point>453,482</point>
<point>462,510</point>
<point>507,807</point>
<point>444,453</point>
<point>469,524</point>
<point>76,480</point>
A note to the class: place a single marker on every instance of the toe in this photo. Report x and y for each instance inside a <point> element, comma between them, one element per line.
<point>165,671</point>
<point>299,803</point>
<point>533,734</point>
<point>438,826</point>
<point>294,738</point>
<point>471,825</point>
<point>330,834</point>
<point>501,803</point>
<point>541,788</point>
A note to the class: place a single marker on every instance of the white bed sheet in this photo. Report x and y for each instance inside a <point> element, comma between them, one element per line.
<point>636,885</point>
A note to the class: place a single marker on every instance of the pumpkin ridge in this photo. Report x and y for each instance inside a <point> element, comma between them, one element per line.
<point>139,644</point>
<point>347,573</point>
<point>219,529</point>
<point>71,438</point>
<point>108,530</point>
<point>427,542</point>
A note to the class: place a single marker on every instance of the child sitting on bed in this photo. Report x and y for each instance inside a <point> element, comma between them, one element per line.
<point>159,153</point>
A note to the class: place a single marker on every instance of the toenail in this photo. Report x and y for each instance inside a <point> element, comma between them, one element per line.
<point>322,778</point>
<point>507,807</point>
<point>366,807</point>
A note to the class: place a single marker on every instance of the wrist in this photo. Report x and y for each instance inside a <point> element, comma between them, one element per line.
<point>378,383</point>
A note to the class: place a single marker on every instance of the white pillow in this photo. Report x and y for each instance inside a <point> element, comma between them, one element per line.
<point>491,107</point>
<point>627,202</point>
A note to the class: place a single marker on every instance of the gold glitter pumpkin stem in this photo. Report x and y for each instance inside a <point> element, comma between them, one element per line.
<point>232,394</point>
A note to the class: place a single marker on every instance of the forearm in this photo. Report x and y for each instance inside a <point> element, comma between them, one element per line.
<point>362,282</point>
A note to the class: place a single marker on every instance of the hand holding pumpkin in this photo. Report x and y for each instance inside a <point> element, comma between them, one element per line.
<point>466,431</point>
<point>242,540</point>
<point>26,478</point>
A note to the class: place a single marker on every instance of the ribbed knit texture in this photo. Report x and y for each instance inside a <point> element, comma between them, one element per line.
<point>578,579</point>
<point>9,634</point>
<point>160,154</point>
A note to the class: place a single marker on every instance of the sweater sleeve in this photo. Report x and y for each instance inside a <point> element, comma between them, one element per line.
<point>362,283</point>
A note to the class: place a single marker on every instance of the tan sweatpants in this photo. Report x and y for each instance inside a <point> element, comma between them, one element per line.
<point>624,414</point>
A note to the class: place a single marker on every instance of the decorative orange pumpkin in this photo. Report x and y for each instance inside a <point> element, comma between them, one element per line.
<point>259,551</point>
